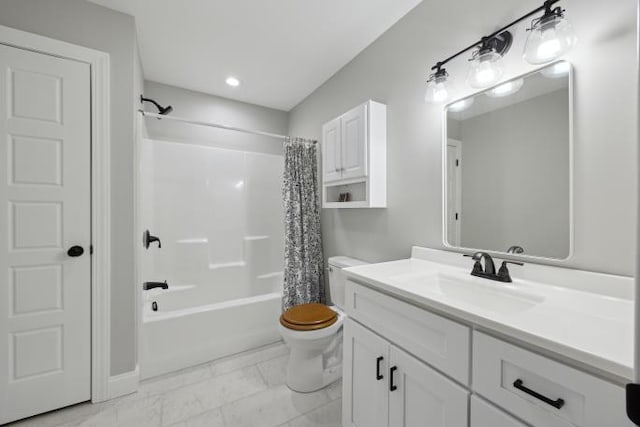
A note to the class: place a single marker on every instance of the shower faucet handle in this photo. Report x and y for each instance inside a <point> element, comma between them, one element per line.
<point>147,239</point>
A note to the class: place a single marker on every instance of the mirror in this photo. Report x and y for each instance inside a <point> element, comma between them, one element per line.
<point>507,167</point>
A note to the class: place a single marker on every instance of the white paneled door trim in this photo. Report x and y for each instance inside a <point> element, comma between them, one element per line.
<point>100,192</point>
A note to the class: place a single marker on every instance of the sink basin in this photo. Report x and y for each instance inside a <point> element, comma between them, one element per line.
<point>497,297</point>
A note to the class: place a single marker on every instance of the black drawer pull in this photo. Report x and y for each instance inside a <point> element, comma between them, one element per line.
<point>378,374</point>
<point>392,386</point>
<point>558,403</point>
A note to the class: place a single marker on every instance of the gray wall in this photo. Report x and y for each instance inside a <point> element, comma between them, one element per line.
<point>393,70</point>
<point>515,177</point>
<point>89,25</point>
<point>209,108</point>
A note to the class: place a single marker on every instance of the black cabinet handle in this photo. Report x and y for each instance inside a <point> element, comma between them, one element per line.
<point>75,251</point>
<point>558,403</point>
<point>378,374</point>
<point>392,386</point>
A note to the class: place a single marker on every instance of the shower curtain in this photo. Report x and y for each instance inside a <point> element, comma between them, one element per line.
<point>303,258</point>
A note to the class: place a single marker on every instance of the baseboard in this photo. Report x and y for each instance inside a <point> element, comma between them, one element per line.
<point>123,384</point>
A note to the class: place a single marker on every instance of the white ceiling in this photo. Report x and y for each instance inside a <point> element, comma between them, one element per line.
<point>281,50</point>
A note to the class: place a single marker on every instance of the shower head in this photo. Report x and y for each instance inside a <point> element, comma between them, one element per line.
<point>161,110</point>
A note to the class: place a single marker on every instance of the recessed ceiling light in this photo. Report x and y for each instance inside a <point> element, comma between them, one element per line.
<point>232,81</point>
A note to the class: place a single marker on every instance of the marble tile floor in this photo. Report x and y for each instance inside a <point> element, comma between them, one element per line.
<point>246,389</point>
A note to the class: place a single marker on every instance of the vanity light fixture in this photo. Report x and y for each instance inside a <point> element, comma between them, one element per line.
<point>506,89</point>
<point>438,87</point>
<point>486,66</point>
<point>550,36</point>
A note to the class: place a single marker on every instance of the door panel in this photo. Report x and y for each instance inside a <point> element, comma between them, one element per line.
<point>45,189</point>
<point>365,396</point>
<point>332,155</point>
<point>424,397</point>
<point>354,143</point>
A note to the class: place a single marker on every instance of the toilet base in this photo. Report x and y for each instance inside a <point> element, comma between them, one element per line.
<point>306,374</point>
<point>311,369</point>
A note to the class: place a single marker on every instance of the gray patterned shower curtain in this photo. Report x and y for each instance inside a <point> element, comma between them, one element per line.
<point>303,258</point>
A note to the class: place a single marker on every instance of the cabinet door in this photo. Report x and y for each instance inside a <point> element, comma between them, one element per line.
<point>331,151</point>
<point>485,415</point>
<point>365,375</point>
<point>422,397</point>
<point>354,143</point>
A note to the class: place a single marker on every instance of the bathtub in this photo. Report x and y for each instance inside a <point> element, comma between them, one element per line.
<point>182,333</point>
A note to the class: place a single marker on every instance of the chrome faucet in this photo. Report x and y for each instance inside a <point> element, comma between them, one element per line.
<point>489,270</point>
<point>515,250</point>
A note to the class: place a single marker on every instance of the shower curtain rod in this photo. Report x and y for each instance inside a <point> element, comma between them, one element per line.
<point>213,125</point>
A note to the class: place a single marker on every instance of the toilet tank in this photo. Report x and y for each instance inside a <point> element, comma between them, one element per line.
<point>337,278</point>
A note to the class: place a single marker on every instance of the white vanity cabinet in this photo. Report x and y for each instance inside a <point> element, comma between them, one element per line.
<point>387,387</point>
<point>541,391</point>
<point>484,414</point>
<point>384,383</point>
<point>366,378</point>
<point>354,157</point>
<point>407,366</point>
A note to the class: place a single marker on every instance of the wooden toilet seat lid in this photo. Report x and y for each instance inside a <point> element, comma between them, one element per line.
<point>308,317</point>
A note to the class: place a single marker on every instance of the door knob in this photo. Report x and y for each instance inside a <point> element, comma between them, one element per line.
<point>75,251</point>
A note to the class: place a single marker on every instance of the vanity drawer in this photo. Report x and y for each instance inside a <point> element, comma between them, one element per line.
<point>439,342</point>
<point>541,391</point>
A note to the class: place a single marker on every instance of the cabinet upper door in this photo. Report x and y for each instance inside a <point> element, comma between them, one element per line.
<point>331,149</point>
<point>422,397</point>
<point>354,143</point>
<point>366,372</point>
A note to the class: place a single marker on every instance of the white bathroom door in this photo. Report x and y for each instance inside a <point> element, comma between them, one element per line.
<point>45,341</point>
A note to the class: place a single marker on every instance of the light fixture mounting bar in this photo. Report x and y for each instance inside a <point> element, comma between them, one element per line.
<point>545,7</point>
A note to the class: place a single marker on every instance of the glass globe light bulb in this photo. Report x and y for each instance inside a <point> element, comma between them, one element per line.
<point>486,68</point>
<point>438,88</point>
<point>549,38</point>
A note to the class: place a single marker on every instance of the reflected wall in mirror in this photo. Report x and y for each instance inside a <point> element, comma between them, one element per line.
<point>507,168</point>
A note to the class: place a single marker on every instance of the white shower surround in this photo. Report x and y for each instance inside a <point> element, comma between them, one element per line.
<point>218,213</point>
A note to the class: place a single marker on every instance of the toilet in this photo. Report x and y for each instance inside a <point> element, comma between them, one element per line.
<point>313,332</point>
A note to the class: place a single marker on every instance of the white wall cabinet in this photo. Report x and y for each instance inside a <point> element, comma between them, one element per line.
<point>354,143</point>
<point>331,146</point>
<point>403,368</point>
<point>386,387</point>
<point>354,158</point>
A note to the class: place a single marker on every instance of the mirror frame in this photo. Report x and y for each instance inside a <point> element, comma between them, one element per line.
<point>443,147</point>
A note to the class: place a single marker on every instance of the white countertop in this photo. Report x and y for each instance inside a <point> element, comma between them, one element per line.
<point>591,328</point>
